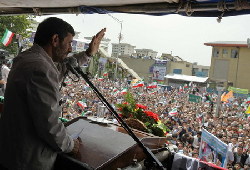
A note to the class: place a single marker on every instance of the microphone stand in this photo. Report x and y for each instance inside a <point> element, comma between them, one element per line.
<point>152,160</point>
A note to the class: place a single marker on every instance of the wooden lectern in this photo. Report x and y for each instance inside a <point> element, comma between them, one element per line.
<point>105,146</point>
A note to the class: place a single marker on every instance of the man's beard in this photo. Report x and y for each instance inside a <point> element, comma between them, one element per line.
<point>59,54</point>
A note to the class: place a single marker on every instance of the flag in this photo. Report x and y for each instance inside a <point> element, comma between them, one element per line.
<point>190,84</point>
<point>116,92</point>
<point>228,96</point>
<point>81,104</point>
<point>138,84</point>
<point>185,86</point>
<point>248,100</point>
<point>152,85</point>
<point>173,112</point>
<point>124,91</point>
<point>7,37</point>
<point>100,79</point>
<point>152,92</point>
<point>68,83</point>
<point>115,89</point>
<point>181,89</point>
<point>248,110</point>
<point>105,73</point>
<point>222,96</point>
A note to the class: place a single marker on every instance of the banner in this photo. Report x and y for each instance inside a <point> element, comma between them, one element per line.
<point>102,63</point>
<point>194,98</point>
<point>78,46</point>
<point>238,90</point>
<point>213,149</point>
<point>158,73</point>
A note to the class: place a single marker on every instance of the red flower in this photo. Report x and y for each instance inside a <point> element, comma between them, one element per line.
<point>120,109</point>
<point>141,106</point>
<point>152,115</point>
<point>120,115</point>
<point>125,103</point>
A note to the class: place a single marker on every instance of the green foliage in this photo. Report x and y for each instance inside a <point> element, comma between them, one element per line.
<point>16,24</point>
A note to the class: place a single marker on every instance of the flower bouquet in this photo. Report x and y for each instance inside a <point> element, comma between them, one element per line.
<point>138,117</point>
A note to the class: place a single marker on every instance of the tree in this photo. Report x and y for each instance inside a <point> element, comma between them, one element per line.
<point>18,25</point>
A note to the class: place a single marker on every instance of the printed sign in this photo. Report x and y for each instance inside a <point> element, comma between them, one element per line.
<point>213,149</point>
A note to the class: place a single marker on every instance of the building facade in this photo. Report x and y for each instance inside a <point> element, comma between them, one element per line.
<point>145,53</point>
<point>122,49</point>
<point>230,63</point>
<point>199,70</point>
<point>179,67</point>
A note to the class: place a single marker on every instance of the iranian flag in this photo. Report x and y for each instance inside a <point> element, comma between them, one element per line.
<point>68,83</point>
<point>81,104</point>
<point>185,86</point>
<point>152,85</point>
<point>105,73</point>
<point>7,37</point>
<point>248,100</point>
<point>116,92</point>
<point>138,84</point>
<point>152,92</point>
<point>115,89</point>
<point>173,112</point>
<point>124,91</point>
<point>100,79</point>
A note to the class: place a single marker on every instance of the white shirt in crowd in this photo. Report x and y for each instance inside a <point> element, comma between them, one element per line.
<point>5,72</point>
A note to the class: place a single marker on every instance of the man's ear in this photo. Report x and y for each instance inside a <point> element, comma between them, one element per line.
<point>55,40</point>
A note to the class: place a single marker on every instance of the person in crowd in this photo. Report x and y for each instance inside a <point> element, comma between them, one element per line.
<point>241,157</point>
<point>30,130</point>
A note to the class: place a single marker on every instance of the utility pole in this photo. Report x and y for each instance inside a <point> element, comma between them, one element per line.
<point>119,40</point>
<point>218,102</point>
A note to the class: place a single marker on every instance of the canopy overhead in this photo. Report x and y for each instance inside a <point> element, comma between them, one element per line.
<point>186,78</point>
<point>205,8</point>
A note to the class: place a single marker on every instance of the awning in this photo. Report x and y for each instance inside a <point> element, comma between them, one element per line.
<point>187,78</point>
<point>206,8</point>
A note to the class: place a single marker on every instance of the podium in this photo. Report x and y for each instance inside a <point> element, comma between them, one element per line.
<point>106,146</point>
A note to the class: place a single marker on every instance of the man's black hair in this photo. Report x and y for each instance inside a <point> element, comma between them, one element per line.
<point>50,27</point>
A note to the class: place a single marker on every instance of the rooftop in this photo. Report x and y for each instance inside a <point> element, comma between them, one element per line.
<point>227,44</point>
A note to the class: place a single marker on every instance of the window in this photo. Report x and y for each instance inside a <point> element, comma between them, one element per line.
<point>234,53</point>
<point>177,71</point>
<point>194,71</point>
<point>187,65</point>
<point>216,52</point>
<point>224,53</point>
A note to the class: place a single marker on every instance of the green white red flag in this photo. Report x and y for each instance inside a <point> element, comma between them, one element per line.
<point>138,84</point>
<point>100,79</point>
<point>105,73</point>
<point>173,112</point>
<point>7,37</point>
<point>152,85</point>
<point>124,91</point>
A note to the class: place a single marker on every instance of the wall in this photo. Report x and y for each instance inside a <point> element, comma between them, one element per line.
<point>180,65</point>
<point>238,68</point>
<point>140,66</point>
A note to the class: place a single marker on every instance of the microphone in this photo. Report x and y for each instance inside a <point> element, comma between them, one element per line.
<point>71,63</point>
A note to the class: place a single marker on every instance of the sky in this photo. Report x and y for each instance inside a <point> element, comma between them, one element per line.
<point>182,36</point>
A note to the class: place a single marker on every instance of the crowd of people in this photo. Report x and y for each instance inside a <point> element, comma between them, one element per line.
<point>230,125</point>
